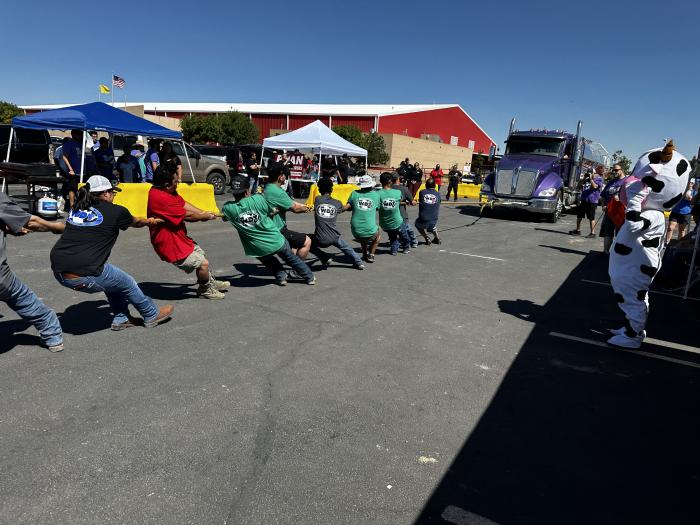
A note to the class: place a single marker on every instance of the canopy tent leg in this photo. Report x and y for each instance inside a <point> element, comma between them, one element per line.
<point>189,164</point>
<point>82,155</point>
<point>692,263</point>
<point>9,144</point>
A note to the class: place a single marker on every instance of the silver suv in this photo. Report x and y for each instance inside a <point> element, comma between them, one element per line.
<point>205,168</point>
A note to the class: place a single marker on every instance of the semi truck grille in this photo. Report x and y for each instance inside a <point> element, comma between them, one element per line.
<point>524,183</point>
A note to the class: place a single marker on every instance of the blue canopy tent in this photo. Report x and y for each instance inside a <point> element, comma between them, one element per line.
<point>94,116</point>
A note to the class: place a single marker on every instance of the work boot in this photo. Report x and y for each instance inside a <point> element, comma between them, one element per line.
<point>624,341</point>
<point>130,323</point>
<point>163,315</point>
<point>209,291</point>
<point>220,285</point>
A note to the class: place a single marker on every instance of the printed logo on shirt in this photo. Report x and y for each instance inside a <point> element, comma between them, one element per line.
<point>429,199</point>
<point>248,219</point>
<point>389,204</point>
<point>365,204</point>
<point>326,211</point>
<point>91,217</point>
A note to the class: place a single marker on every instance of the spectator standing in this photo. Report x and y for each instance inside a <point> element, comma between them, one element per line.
<point>363,223</point>
<point>345,171</point>
<point>680,214</point>
<point>406,199</point>
<point>151,159</point>
<point>252,216</point>
<point>79,258</point>
<point>170,239</point>
<point>280,200</point>
<point>454,177</point>
<point>326,210</point>
<point>72,158</point>
<point>252,168</point>
<point>590,187</point>
<point>429,212</point>
<point>328,167</point>
<point>609,194</point>
<point>437,175</point>
<point>415,178</point>
<point>169,158</point>
<point>17,295</point>
<point>104,158</point>
<point>128,167</point>
<point>139,154</point>
<point>390,215</point>
<point>58,158</point>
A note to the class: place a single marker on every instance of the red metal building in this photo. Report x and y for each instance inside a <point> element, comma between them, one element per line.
<point>447,123</point>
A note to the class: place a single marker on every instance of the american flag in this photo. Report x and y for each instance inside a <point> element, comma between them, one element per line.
<point>118,81</point>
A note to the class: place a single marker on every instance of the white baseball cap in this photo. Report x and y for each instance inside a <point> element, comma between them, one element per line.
<point>98,184</point>
<point>365,181</point>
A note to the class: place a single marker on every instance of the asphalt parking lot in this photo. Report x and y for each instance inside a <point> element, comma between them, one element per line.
<point>465,383</point>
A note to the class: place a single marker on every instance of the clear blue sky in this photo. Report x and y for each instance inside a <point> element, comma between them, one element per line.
<point>628,69</point>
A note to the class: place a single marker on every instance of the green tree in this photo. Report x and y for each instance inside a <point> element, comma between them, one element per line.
<point>372,142</point>
<point>620,158</point>
<point>224,128</point>
<point>8,111</point>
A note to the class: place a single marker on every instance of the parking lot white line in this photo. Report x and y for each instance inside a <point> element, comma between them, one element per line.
<point>472,255</point>
<point>650,291</point>
<point>637,352</point>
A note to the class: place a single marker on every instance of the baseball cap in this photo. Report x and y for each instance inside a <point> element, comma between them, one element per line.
<point>239,184</point>
<point>98,184</point>
<point>365,181</point>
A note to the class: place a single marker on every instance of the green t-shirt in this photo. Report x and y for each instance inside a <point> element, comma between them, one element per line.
<point>259,234</point>
<point>279,199</point>
<point>390,209</point>
<point>364,204</point>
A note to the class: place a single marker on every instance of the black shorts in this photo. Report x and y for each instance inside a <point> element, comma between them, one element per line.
<point>679,218</point>
<point>295,239</point>
<point>586,209</point>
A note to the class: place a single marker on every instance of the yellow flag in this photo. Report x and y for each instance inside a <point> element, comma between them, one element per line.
<point>104,89</point>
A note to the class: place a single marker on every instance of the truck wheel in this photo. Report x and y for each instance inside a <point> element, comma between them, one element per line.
<point>554,216</point>
<point>218,180</point>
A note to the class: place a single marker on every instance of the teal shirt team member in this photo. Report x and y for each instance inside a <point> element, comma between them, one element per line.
<point>253,217</point>
<point>282,202</point>
<point>390,218</point>
<point>363,223</point>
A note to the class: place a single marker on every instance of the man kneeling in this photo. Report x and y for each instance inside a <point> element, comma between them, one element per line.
<point>170,239</point>
<point>251,215</point>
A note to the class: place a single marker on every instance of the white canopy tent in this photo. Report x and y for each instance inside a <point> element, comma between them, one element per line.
<point>314,138</point>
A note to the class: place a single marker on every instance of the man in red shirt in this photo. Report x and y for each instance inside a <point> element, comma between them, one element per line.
<point>437,174</point>
<point>170,239</point>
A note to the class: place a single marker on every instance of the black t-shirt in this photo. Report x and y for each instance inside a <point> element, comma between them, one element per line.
<point>252,173</point>
<point>415,174</point>
<point>172,160</point>
<point>85,245</point>
<point>345,171</point>
<point>405,197</point>
<point>455,176</point>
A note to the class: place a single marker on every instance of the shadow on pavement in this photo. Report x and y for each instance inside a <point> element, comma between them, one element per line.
<point>562,249</point>
<point>10,338</point>
<point>578,433</point>
<point>86,317</point>
<point>169,291</point>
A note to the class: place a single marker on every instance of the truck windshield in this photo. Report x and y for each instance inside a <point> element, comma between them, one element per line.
<point>534,146</point>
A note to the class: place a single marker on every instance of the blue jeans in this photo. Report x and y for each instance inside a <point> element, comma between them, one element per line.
<point>285,253</point>
<point>401,233</point>
<point>120,289</point>
<point>253,184</point>
<point>29,307</point>
<point>410,233</point>
<point>341,245</point>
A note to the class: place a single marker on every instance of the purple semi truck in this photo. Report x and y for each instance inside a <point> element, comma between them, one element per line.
<point>540,170</point>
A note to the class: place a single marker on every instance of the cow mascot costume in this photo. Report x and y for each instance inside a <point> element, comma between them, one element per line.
<point>657,183</point>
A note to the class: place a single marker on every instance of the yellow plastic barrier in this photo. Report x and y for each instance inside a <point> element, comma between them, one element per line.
<point>340,191</point>
<point>199,194</point>
<point>465,190</point>
<point>134,196</point>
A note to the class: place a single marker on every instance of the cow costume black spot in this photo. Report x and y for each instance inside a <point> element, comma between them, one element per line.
<point>656,184</point>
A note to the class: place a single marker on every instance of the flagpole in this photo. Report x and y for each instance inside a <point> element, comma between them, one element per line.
<point>112,89</point>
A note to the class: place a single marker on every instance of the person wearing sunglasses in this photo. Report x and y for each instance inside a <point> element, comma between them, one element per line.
<point>609,194</point>
<point>79,258</point>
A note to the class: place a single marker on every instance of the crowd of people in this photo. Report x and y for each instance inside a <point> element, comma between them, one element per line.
<point>80,258</point>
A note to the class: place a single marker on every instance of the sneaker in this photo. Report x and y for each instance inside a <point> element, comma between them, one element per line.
<point>369,258</point>
<point>55,348</point>
<point>281,282</point>
<point>311,281</point>
<point>437,241</point>
<point>220,285</point>
<point>621,331</point>
<point>415,245</point>
<point>130,323</point>
<point>406,250</point>
<point>292,274</point>
<point>394,253</point>
<point>626,342</point>
<point>210,292</point>
<point>590,235</point>
<point>359,266</point>
<point>163,315</point>
<point>575,232</point>
<point>326,262</point>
